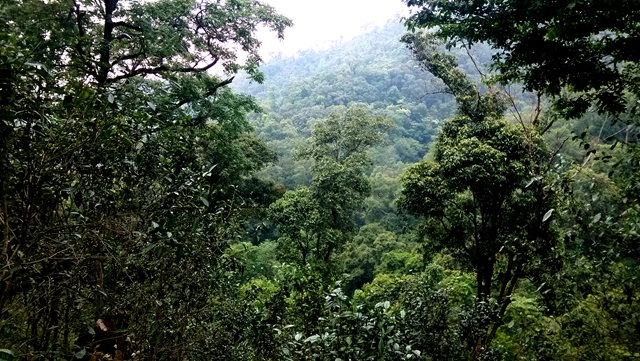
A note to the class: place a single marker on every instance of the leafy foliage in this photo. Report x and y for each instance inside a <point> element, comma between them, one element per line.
<point>120,197</point>
<point>135,208</point>
<point>316,221</point>
<point>477,195</point>
<point>577,51</point>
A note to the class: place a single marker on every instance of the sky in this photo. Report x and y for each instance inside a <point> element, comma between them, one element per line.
<point>318,24</point>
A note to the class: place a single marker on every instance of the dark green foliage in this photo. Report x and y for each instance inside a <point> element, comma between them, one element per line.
<point>483,195</point>
<point>578,52</point>
<point>119,198</point>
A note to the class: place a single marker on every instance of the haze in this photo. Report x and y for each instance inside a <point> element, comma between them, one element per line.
<point>318,24</point>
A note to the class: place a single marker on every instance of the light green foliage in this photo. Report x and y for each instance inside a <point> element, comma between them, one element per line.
<point>380,206</point>
<point>298,220</point>
<point>258,292</point>
<point>436,308</point>
<point>375,250</point>
<point>461,287</point>
<point>603,326</point>
<point>301,90</point>
<point>522,316</point>
<point>400,262</point>
<point>259,261</point>
<point>292,303</point>
<point>380,289</point>
<point>600,325</point>
<point>316,221</point>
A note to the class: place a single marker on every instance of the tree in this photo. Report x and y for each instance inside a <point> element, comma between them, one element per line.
<point>583,55</point>
<point>316,221</point>
<point>483,196</point>
<point>577,52</point>
<point>124,175</point>
<point>108,41</point>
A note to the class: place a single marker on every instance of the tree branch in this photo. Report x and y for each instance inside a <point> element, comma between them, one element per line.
<point>126,25</point>
<point>81,34</point>
<point>162,69</point>
<point>473,60</point>
<point>209,93</point>
<point>536,114</point>
<point>127,57</point>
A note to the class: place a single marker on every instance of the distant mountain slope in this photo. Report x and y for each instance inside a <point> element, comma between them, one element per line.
<point>374,71</point>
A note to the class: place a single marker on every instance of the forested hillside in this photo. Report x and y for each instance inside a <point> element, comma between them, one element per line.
<point>373,71</point>
<point>461,185</point>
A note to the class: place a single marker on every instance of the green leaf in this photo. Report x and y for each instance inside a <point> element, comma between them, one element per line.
<point>312,339</point>
<point>81,353</point>
<point>597,217</point>
<point>148,248</point>
<point>204,201</point>
<point>196,223</point>
<point>547,215</point>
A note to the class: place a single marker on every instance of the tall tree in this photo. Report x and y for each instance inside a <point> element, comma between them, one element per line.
<point>316,221</point>
<point>584,55</point>
<point>483,195</point>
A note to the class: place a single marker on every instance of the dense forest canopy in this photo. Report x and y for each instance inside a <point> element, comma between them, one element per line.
<point>462,184</point>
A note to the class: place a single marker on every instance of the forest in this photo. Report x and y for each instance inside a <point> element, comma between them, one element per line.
<point>459,184</point>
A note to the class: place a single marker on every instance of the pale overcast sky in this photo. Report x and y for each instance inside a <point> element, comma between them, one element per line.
<point>319,23</point>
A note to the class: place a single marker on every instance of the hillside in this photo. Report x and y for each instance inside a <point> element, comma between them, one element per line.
<point>374,71</point>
